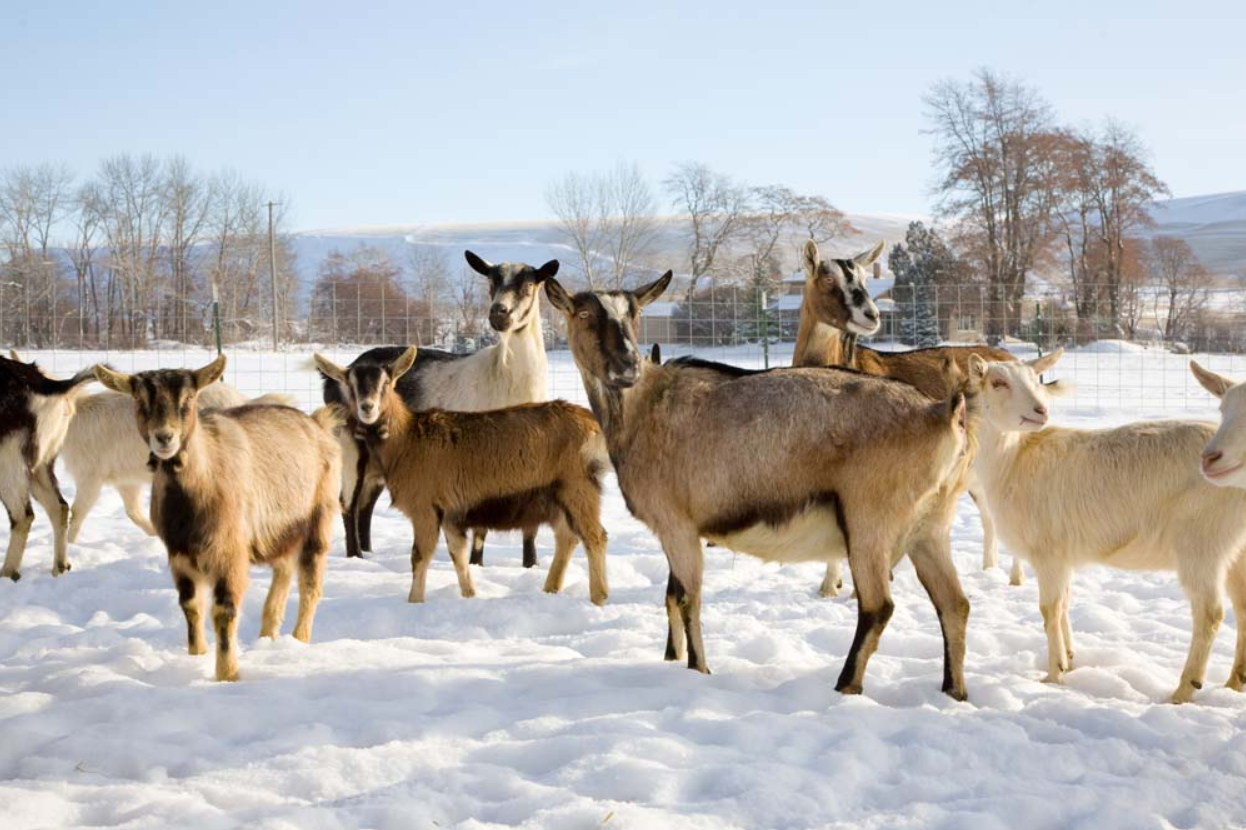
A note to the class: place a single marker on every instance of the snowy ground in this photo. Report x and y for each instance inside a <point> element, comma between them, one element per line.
<point>521,709</point>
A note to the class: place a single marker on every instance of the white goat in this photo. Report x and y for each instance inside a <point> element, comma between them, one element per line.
<point>102,447</point>
<point>1129,497</point>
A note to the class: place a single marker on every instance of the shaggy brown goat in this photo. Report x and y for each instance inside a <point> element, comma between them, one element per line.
<point>255,484</point>
<point>785,464</point>
<point>503,469</point>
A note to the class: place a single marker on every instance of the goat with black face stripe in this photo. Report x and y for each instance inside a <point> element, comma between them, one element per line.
<point>786,465</point>
<point>512,371</point>
<point>504,469</point>
<point>254,484</point>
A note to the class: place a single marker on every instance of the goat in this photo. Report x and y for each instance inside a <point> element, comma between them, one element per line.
<point>835,309</point>
<point>35,411</point>
<point>1129,497</point>
<point>512,371</point>
<point>232,487</point>
<point>102,447</point>
<point>504,469</point>
<point>784,464</point>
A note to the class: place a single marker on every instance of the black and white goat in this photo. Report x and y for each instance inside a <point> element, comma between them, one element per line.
<point>513,371</point>
<point>35,411</point>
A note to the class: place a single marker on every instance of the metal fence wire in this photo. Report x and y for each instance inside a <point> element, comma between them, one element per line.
<point>1125,350</point>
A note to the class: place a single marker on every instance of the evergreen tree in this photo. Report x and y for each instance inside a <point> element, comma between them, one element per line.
<point>918,264</point>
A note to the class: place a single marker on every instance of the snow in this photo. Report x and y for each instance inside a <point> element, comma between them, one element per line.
<point>520,709</point>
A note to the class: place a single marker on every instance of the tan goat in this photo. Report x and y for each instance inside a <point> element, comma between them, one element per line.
<point>255,484</point>
<point>835,308</point>
<point>503,469</point>
<point>786,465</point>
<point>1128,497</point>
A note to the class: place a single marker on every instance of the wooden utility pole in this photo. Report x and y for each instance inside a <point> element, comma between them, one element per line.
<point>272,270</point>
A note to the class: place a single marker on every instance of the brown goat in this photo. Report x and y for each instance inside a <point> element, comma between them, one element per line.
<point>785,464</point>
<point>827,336</point>
<point>504,469</point>
<point>255,484</point>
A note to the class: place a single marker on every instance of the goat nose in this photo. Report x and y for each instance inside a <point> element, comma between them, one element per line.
<point>1212,457</point>
<point>872,316</point>
<point>498,309</point>
<point>164,436</point>
<point>1040,409</point>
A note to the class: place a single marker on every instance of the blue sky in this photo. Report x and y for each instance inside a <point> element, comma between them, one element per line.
<point>379,113</point>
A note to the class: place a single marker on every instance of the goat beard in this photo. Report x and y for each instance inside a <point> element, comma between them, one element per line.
<point>174,465</point>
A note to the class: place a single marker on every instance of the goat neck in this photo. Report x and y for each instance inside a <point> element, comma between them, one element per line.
<point>817,343</point>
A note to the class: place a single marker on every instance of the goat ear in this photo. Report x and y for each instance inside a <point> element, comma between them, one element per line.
<point>547,270</point>
<point>648,293</point>
<point>13,355</point>
<point>116,381</point>
<point>810,258</point>
<point>403,364</point>
<point>558,297</point>
<point>1042,364</point>
<point>1060,388</point>
<point>977,369</point>
<point>867,258</point>
<point>655,355</point>
<point>480,266</point>
<point>211,373</point>
<point>330,369</point>
<point>1212,382</point>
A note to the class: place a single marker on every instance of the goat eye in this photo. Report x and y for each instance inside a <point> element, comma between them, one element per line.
<point>999,384</point>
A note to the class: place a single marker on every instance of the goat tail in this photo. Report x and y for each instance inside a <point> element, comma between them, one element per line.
<point>331,418</point>
<point>596,455</point>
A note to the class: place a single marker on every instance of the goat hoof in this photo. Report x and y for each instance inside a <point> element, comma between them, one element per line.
<point>1237,680</point>
<point>195,651</point>
<point>959,695</point>
<point>57,570</point>
<point>599,600</point>
<point>1183,695</point>
<point>849,689</point>
<point>467,593</point>
<point>14,575</point>
<point>1056,678</point>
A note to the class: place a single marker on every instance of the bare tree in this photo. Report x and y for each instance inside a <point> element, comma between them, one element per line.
<point>33,200</point>
<point>608,218</point>
<point>715,207</point>
<point>995,148</point>
<point>1183,282</point>
<point>574,200</point>
<point>430,271</point>
<point>189,200</point>
<point>626,208</point>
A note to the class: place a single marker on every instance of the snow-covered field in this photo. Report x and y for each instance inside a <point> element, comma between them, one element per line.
<point>517,708</point>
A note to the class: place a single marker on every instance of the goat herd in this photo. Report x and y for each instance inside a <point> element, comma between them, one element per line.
<point>863,460</point>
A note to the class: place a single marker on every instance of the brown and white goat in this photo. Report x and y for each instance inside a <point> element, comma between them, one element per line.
<point>255,484</point>
<point>786,465</point>
<point>509,372</point>
<point>835,309</point>
<point>504,469</point>
<point>1127,497</point>
<point>35,412</point>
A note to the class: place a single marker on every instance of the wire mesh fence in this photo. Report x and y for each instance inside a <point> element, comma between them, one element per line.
<point>1126,351</point>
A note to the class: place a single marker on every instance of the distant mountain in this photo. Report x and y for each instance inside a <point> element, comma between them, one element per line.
<point>540,241</point>
<point>1215,227</point>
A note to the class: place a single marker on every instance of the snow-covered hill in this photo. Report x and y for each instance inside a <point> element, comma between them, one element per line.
<point>538,241</point>
<point>1215,226</point>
